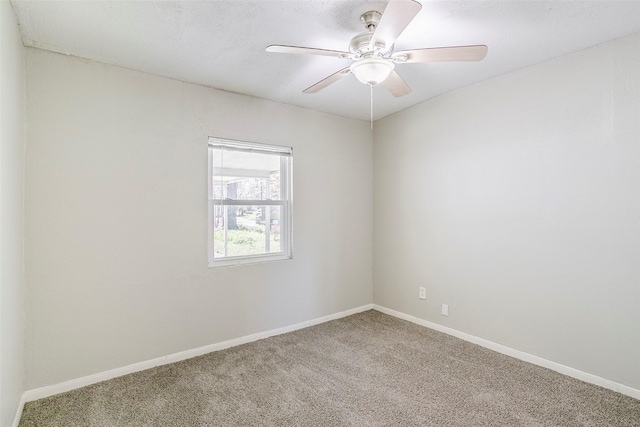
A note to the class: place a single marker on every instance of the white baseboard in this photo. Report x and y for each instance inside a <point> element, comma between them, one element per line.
<point>566,370</point>
<point>51,390</point>
<point>16,419</point>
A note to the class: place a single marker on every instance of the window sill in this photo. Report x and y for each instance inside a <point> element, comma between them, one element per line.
<point>256,259</point>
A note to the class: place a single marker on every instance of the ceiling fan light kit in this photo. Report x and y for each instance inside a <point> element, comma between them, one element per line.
<point>373,52</point>
<point>372,71</point>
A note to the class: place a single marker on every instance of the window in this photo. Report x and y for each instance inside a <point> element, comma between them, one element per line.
<point>249,202</point>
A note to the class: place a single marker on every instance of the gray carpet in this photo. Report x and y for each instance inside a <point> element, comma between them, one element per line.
<point>368,369</point>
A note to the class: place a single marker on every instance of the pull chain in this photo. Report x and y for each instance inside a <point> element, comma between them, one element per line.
<point>371,87</point>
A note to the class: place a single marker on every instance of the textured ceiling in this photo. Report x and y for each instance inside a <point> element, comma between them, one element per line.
<point>222,44</point>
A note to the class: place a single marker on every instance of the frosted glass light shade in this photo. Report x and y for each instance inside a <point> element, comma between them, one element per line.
<point>372,70</point>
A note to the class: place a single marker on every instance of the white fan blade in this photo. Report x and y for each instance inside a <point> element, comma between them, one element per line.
<point>396,85</point>
<point>443,54</point>
<point>275,48</point>
<point>397,15</point>
<point>327,81</point>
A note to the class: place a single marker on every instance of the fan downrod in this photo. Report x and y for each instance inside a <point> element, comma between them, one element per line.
<point>360,45</point>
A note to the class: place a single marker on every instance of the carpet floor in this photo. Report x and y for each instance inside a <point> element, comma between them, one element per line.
<point>369,369</point>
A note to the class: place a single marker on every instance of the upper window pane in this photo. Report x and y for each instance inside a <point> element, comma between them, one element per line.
<point>241,175</point>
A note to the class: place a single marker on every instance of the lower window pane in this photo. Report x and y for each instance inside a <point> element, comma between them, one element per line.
<point>246,230</point>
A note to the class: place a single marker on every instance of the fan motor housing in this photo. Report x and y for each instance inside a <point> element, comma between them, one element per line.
<point>359,45</point>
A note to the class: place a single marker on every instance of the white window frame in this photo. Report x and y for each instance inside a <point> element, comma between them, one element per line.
<point>285,202</point>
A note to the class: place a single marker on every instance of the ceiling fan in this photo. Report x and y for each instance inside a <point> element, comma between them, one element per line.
<point>373,54</point>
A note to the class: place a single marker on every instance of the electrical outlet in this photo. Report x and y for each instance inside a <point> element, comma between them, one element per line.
<point>423,293</point>
<point>445,309</point>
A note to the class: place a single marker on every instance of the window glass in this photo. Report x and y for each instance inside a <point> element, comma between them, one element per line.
<point>249,202</point>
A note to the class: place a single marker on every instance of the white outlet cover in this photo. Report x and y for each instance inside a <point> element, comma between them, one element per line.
<point>423,293</point>
<point>445,309</point>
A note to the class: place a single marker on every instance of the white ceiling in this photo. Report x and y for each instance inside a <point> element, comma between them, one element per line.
<point>222,44</point>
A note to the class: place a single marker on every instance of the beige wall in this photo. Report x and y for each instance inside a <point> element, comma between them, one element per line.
<point>116,214</point>
<point>517,202</point>
<point>12,84</point>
